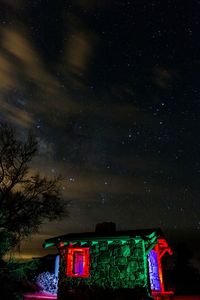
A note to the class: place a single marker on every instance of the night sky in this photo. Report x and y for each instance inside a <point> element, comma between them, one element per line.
<point>112,91</point>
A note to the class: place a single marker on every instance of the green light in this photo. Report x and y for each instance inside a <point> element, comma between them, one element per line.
<point>110,242</point>
<point>137,240</point>
<point>145,263</point>
<point>94,243</point>
<point>47,245</point>
<point>123,242</point>
<point>152,235</point>
<point>83,243</point>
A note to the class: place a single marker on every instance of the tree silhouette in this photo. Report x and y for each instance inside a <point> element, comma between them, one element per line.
<point>26,199</point>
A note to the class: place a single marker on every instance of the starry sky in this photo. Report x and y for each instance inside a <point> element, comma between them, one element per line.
<point>111,89</point>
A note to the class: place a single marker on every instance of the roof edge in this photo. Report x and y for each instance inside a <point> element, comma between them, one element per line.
<point>93,236</point>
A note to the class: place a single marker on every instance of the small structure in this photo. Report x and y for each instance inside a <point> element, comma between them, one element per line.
<point>111,259</point>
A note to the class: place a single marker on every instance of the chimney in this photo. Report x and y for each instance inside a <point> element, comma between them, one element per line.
<point>105,228</point>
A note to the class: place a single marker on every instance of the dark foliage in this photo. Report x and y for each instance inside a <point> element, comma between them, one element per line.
<point>15,279</point>
<point>26,199</point>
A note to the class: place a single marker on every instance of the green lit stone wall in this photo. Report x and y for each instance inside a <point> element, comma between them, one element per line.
<point>120,264</point>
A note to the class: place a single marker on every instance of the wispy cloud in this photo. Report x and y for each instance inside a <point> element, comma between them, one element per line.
<point>16,116</point>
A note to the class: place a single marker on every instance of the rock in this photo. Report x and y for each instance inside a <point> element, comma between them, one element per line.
<point>126,250</point>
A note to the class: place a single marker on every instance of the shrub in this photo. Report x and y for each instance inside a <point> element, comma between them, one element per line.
<point>47,282</point>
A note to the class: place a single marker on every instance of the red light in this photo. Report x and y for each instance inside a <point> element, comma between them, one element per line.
<point>161,248</point>
<point>61,244</point>
<point>78,262</point>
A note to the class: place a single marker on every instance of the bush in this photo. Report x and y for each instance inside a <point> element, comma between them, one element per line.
<point>47,283</point>
<point>14,279</point>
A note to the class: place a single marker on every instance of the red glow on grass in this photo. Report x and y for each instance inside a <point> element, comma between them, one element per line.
<point>32,296</point>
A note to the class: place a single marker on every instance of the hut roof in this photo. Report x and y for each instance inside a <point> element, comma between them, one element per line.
<point>149,234</point>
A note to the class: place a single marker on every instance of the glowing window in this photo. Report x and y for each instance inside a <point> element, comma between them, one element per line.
<point>78,262</point>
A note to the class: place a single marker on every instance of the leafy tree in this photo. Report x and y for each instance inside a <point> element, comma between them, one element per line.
<point>26,199</point>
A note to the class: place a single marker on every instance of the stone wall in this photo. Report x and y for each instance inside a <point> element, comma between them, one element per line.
<point>112,265</point>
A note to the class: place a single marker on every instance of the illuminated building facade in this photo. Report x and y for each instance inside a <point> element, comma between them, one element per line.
<point>111,259</point>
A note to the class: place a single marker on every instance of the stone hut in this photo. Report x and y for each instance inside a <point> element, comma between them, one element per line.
<point>110,259</point>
